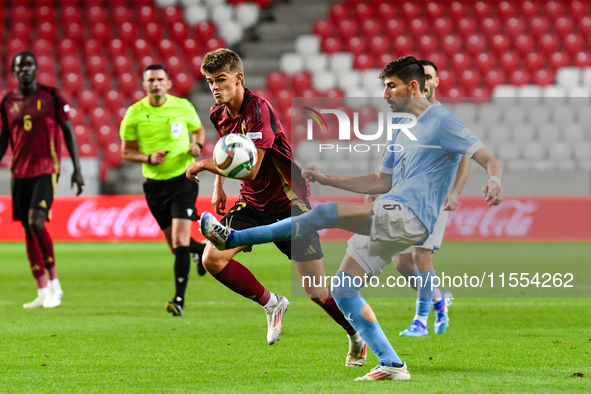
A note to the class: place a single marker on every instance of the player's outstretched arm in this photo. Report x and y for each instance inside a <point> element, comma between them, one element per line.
<point>70,140</point>
<point>492,190</point>
<point>194,169</point>
<point>453,197</point>
<point>219,198</point>
<point>375,183</point>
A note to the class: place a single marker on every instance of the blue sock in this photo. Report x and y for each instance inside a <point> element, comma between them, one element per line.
<point>320,217</point>
<point>425,295</point>
<point>350,302</point>
<point>414,274</point>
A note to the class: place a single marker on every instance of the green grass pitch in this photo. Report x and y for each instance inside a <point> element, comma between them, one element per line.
<point>112,334</point>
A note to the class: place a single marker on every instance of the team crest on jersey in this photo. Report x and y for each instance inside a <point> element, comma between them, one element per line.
<point>14,108</point>
<point>176,129</point>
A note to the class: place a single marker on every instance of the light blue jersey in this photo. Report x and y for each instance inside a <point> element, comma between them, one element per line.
<point>422,173</point>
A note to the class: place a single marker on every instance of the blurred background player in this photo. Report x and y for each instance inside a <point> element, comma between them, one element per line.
<point>31,117</point>
<point>269,193</point>
<point>155,131</point>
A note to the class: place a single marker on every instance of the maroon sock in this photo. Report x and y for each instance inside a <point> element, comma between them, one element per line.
<point>331,307</point>
<point>36,261</point>
<point>46,246</point>
<point>239,279</point>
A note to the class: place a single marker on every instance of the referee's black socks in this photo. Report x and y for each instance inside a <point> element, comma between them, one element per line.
<point>196,247</point>
<point>182,266</point>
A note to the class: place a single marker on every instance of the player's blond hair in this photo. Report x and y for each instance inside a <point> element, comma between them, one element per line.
<point>222,60</point>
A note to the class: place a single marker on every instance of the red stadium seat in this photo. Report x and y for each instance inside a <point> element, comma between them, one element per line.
<point>71,14</point>
<point>494,77</point>
<point>543,78</point>
<point>283,100</point>
<point>410,11</point>
<point>96,64</point>
<point>442,27</point>
<point>434,10</point>
<point>101,32</point>
<point>347,29</point>
<point>128,83</point>
<point>564,26</point>
<point>553,9</point>
<point>42,47</point>
<point>466,27</point>
<point>534,61</point>
<point>179,31</point>
<point>66,47</point>
<point>205,31</point>
<point>451,45</point>
<point>46,14</point>
<point>385,58</point>
<point>447,77</point>
<point>500,44</point>
<point>482,10</point>
<point>114,100</point>
<point>83,135</point>
<point>174,65</point>
<point>214,43</point>
<point>357,46</point>
<point>300,81</point>
<point>47,30</point>
<point>469,80</point>
<point>386,12</point>
<point>122,65</point>
<point>379,46</point>
<point>539,26</point>
<point>514,27</point>
<point>138,95</point>
<point>47,79</point>
<point>479,92</point>
<point>106,135</point>
<point>363,12</point>
<point>439,59</point>
<point>87,150</point>
<point>183,84</point>
<point>458,10</point>
<point>91,47</point>
<point>520,77</point>
<point>332,45</point>
<point>87,100</point>
<point>73,84</point>
<point>46,64</point>
<point>141,48</point>
<point>121,14</point>
<point>152,33</point>
<point>548,44</point>
<point>96,14</point>
<point>99,117</point>
<point>117,48</point>
<point>70,64</point>
<point>509,62</point>
<point>310,93</point>
<point>15,45</point>
<point>559,60</point>
<point>394,28</point>
<point>418,27</point>
<point>338,13</point>
<point>191,48</point>
<point>276,81</point>
<point>585,26</point>
<point>21,13</point>
<point>172,15</point>
<point>100,83</point>
<point>582,59</point>
<point>578,9</point>
<point>75,32</point>
<point>147,14</point>
<point>456,92</point>
<point>128,32</point>
<point>475,44</point>
<point>371,28</point>
<point>21,30</point>
<point>573,44</point>
<point>524,44</point>
<point>460,62</point>
<point>490,27</point>
<point>112,154</point>
<point>530,9</point>
<point>505,10</point>
<point>323,28</point>
<point>428,45</point>
<point>484,62</point>
<point>195,66</point>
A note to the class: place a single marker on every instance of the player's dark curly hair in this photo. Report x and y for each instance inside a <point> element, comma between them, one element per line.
<point>407,68</point>
<point>23,53</point>
<point>222,60</point>
<point>426,62</point>
<point>156,67</point>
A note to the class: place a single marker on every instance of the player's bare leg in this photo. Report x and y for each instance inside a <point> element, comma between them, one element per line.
<point>320,294</point>
<point>178,238</point>
<point>235,276</point>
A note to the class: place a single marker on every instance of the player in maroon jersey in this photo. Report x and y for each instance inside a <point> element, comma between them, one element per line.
<point>31,117</point>
<point>269,193</point>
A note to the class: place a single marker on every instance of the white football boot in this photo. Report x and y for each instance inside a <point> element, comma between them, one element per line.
<point>382,372</point>
<point>275,319</point>
<point>36,303</point>
<point>54,298</point>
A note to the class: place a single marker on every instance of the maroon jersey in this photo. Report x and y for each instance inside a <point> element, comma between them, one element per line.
<point>274,189</point>
<point>33,124</point>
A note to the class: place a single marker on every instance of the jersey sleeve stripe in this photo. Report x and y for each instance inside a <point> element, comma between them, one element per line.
<point>386,170</point>
<point>471,150</point>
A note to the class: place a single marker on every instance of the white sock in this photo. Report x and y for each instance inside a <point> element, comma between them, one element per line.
<point>355,337</point>
<point>43,292</point>
<point>272,301</point>
<point>422,319</point>
<point>55,284</point>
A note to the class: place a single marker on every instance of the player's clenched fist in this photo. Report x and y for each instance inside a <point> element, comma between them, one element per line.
<point>493,193</point>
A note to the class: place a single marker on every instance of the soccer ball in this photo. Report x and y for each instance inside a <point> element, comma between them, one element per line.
<point>235,155</point>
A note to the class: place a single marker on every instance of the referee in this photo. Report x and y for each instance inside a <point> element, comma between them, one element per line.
<point>155,132</point>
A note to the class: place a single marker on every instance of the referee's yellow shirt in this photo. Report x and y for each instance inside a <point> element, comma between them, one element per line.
<point>168,128</point>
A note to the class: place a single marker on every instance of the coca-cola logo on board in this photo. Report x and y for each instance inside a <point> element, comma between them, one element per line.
<point>134,220</point>
<point>510,219</point>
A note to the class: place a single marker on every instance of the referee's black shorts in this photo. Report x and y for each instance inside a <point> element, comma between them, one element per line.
<point>173,198</point>
<point>243,216</point>
<point>32,193</point>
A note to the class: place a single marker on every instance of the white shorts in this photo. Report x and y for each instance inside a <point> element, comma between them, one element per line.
<point>436,238</point>
<point>394,228</point>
